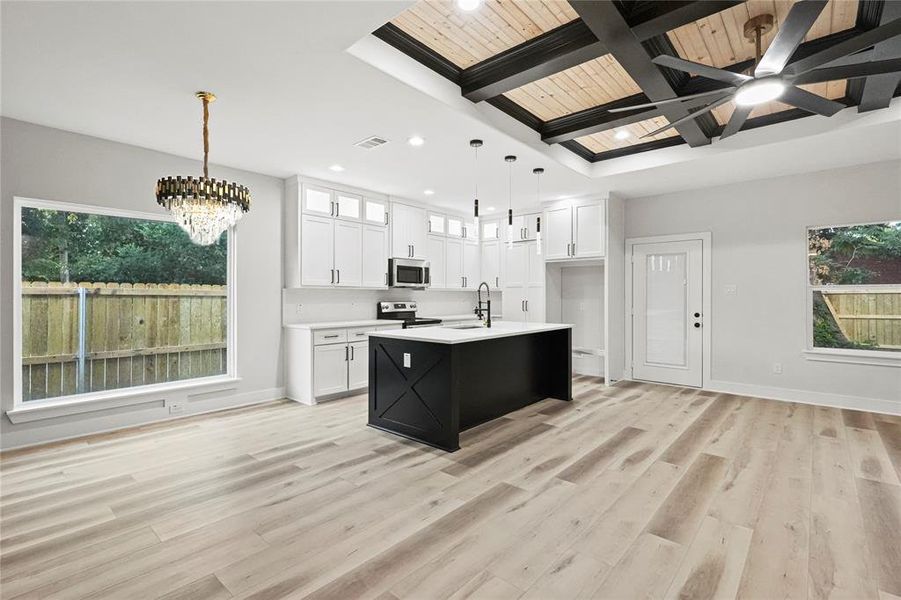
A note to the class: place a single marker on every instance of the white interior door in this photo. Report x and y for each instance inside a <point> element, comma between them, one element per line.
<point>667,317</point>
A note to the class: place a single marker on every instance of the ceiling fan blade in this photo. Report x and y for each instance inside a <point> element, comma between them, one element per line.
<point>674,62</point>
<point>739,116</point>
<point>689,117</point>
<point>876,67</point>
<point>811,102</point>
<point>855,44</point>
<point>791,33</point>
<point>682,99</point>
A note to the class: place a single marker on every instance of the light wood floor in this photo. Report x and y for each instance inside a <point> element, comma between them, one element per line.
<point>629,492</point>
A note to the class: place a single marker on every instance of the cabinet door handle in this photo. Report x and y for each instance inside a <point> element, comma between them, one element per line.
<point>574,248</point>
<point>331,208</point>
<point>386,278</point>
<point>333,276</point>
<point>328,337</point>
<point>351,353</point>
<point>337,209</point>
<point>522,306</point>
<point>386,217</point>
<point>345,353</point>
<point>339,276</point>
<point>527,306</point>
<point>497,282</point>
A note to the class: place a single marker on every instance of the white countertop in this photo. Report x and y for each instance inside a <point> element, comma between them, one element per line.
<point>449,335</point>
<point>462,317</point>
<point>344,324</point>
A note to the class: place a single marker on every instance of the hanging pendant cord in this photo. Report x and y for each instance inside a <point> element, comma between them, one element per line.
<point>206,135</point>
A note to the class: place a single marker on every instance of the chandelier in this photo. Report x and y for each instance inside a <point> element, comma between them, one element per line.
<point>202,206</point>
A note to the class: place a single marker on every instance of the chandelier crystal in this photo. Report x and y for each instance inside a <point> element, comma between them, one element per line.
<point>204,207</point>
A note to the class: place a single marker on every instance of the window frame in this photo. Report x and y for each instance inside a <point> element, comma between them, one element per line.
<point>843,355</point>
<point>75,403</point>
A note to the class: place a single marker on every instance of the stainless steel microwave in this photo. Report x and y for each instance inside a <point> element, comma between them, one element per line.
<point>408,273</point>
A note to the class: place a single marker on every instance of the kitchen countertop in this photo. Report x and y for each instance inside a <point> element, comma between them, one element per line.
<point>461,317</point>
<point>344,324</point>
<point>449,335</point>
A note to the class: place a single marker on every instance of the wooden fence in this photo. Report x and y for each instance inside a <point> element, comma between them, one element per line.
<point>872,318</point>
<point>135,334</point>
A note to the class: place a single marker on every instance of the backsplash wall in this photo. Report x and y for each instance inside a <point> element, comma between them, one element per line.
<point>305,305</point>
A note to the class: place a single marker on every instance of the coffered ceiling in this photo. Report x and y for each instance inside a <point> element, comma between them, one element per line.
<point>539,62</point>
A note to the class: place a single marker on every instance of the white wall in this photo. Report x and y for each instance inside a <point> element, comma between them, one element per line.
<point>759,245</point>
<point>50,164</point>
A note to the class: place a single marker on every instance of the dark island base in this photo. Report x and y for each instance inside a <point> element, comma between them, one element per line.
<point>450,388</point>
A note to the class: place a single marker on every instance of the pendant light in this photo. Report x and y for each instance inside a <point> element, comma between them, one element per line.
<point>538,171</point>
<point>203,207</point>
<point>475,145</point>
<point>510,160</point>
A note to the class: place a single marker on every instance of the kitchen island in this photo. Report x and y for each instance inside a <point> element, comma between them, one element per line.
<point>429,384</point>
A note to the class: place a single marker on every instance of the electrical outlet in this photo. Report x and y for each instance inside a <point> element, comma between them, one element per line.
<point>731,289</point>
<point>298,308</point>
<point>406,360</point>
<point>175,407</point>
<point>777,368</point>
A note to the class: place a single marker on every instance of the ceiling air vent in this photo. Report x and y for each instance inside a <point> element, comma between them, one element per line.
<point>371,142</point>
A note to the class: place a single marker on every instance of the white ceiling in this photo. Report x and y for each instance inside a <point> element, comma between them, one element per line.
<point>292,99</point>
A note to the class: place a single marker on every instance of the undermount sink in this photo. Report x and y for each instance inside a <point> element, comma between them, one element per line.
<point>465,327</point>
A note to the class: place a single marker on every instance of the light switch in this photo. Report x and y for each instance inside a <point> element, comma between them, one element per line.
<point>407,360</point>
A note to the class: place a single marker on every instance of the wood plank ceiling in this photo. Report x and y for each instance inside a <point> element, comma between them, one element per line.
<point>469,38</point>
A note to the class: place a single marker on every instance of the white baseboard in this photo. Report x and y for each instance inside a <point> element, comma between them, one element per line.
<point>231,402</point>
<point>876,405</point>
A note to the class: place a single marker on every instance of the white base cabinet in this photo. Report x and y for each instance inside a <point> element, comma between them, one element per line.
<point>322,364</point>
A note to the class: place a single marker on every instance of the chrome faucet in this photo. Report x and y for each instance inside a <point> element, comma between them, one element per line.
<point>479,311</point>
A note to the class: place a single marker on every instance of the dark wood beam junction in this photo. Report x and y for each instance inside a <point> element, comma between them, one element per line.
<point>609,25</point>
<point>878,90</point>
<point>573,44</point>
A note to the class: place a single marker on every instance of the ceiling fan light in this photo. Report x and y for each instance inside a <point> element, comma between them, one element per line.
<point>468,5</point>
<point>758,92</point>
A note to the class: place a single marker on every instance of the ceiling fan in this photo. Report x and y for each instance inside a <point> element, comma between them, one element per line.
<point>773,77</point>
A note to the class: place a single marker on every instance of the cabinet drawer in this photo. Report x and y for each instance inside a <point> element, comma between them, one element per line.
<point>329,336</point>
<point>358,334</point>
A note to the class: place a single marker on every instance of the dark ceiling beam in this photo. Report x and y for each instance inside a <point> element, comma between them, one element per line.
<point>394,36</point>
<point>878,90</point>
<point>657,18</point>
<point>573,44</point>
<point>552,52</point>
<point>606,22</point>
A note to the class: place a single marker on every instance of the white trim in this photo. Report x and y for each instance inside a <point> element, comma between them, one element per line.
<point>877,405</point>
<point>122,396</point>
<point>51,408</point>
<point>706,289</point>
<point>878,358</point>
<point>246,399</point>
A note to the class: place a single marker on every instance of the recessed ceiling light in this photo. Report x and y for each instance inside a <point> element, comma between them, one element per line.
<point>428,192</point>
<point>758,92</point>
<point>336,168</point>
<point>468,5</point>
<point>416,141</point>
<point>489,209</point>
<point>623,134</point>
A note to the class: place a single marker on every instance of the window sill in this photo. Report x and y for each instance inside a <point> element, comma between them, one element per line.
<point>37,410</point>
<point>855,357</point>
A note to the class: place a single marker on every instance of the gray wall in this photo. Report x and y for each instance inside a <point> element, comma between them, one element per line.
<point>759,245</point>
<point>49,164</point>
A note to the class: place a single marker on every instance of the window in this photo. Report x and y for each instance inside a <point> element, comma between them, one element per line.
<point>854,288</point>
<point>115,300</point>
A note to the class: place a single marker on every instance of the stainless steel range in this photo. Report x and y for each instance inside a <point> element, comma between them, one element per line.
<point>404,311</point>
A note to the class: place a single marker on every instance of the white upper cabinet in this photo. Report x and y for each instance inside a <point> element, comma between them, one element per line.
<point>589,230</point>
<point>491,263</point>
<point>317,250</point>
<point>517,265</point>
<point>524,227</point>
<point>318,200</point>
<point>574,230</point>
<point>436,224</point>
<point>348,206</point>
<point>491,230</point>
<point>556,232</point>
<point>455,227</point>
<point>408,231</point>
<point>375,256</point>
<point>471,266</point>
<point>454,264</point>
<point>535,266</point>
<point>437,266</point>
<point>348,254</point>
<point>375,212</point>
<point>470,231</point>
